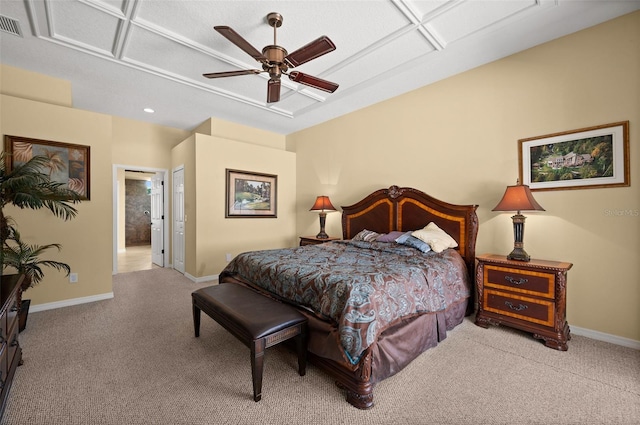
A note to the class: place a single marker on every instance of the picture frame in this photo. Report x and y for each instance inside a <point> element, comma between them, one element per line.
<point>250,194</point>
<point>587,158</point>
<point>70,163</point>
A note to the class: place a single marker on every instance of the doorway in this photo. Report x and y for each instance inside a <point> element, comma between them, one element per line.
<point>139,225</point>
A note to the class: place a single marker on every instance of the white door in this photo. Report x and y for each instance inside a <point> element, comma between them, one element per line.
<point>157,220</point>
<point>178,219</point>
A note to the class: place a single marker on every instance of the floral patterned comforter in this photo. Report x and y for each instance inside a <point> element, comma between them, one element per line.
<point>364,287</point>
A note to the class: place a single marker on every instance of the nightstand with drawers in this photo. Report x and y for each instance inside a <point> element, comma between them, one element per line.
<point>312,240</point>
<point>527,295</point>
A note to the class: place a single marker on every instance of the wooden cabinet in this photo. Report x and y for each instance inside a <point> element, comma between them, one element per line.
<point>312,240</point>
<point>528,295</point>
<point>10,351</point>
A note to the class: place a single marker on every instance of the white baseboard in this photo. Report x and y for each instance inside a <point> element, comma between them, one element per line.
<point>68,303</point>
<point>601,336</point>
<point>201,279</point>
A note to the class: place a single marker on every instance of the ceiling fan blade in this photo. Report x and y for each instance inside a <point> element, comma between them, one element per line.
<point>237,39</point>
<point>231,73</point>
<point>315,82</point>
<point>310,51</point>
<point>273,90</point>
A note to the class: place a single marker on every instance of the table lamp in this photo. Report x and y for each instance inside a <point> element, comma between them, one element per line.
<point>518,198</point>
<point>323,204</point>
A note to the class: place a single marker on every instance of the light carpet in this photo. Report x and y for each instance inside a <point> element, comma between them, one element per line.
<point>134,360</point>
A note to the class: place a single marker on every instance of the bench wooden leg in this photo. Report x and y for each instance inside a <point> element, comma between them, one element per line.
<point>196,320</point>
<point>301,345</point>
<point>257,366</point>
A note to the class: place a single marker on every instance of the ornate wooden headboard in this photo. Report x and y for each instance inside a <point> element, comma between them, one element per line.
<point>404,209</point>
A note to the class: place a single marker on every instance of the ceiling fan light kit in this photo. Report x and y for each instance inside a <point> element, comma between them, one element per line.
<point>276,61</point>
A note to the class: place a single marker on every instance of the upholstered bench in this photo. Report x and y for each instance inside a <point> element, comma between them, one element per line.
<point>256,320</point>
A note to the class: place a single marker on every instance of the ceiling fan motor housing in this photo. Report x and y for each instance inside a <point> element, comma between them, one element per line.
<point>275,60</point>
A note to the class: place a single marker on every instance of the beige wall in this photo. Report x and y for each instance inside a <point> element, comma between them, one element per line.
<point>209,235</point>
<point>458,141</point>
<point>241,133</point>
<point>140,144</point>
<point>39,107</point>
<point>25,84</point>
<point>86,239</point>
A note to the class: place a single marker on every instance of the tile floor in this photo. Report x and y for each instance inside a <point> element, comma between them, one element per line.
<point>135,258</point>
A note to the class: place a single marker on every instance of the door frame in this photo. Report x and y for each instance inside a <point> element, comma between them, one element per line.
<point>174,203</point>
<point>165,209</point>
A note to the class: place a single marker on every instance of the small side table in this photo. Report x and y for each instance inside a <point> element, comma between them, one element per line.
<point>527,295</point>
<point>312,240</point>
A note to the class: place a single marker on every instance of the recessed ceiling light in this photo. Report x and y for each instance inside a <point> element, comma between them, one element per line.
<point>149,110</point>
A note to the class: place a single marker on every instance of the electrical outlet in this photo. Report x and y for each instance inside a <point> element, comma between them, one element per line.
<point>73,277</point>
<point>228,257</point>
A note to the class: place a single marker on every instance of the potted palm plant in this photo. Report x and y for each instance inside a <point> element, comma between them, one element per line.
<point>25,259</point>
<point>26,186</point>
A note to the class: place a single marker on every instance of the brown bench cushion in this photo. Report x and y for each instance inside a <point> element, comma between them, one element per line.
<point>255,315</point>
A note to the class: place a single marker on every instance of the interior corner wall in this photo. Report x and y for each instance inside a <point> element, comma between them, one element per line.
<point>241,133</point>
<point>216,235</point>
<point>458,141</point>
<point>142,144</point>
<point>86,239</point>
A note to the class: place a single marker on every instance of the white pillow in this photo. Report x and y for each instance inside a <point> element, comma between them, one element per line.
<point>437,238</point>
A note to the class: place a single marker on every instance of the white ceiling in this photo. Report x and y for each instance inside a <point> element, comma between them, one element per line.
<point>124,55</point>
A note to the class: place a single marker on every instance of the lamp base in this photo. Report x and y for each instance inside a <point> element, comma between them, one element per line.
<point>322,234</point>
<point>518,254</point>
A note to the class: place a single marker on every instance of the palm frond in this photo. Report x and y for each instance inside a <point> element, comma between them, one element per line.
<point>25,258</point>
<point>26,186</point>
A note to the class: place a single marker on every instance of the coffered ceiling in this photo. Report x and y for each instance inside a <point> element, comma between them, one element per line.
<point>122,56</point>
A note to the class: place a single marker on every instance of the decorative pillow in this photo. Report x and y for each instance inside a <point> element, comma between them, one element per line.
<point>408,240</point>
<point>389,237</point>
<point>437,238</point>
<point>366,235</point>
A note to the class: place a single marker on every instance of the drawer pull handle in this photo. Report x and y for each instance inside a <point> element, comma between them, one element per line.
<point>520,307</point>
<point>518,281</point>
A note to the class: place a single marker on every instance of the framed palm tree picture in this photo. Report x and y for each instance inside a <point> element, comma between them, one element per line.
<point>68,164</point>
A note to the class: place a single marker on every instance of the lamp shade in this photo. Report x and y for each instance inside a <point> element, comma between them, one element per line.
<point>322,204</point>
<point>518,198</point>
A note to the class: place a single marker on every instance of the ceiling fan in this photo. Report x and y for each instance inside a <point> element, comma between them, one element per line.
<point>276,61</point>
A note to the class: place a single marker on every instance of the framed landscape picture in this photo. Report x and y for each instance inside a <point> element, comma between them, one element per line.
<point>590,157</point>
<point>68,164</point>
<point>250,194</point>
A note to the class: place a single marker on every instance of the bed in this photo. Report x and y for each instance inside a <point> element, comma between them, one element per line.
<point>373,306</point>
